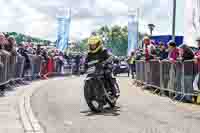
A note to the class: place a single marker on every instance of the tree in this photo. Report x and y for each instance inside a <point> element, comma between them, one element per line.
<point>83,45</point>
<point>23,38</point>
<point>116,39</point>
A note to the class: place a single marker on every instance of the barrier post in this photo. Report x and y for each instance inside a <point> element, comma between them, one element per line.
<point>161,79</point>
<point>137,70</point>
<point>188,79</point>
<point>182,81</point>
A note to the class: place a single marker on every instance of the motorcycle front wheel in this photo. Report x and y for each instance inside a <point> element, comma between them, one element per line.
<point>92,96</point>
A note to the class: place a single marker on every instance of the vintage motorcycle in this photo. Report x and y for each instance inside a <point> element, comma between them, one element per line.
<point>98,85</point>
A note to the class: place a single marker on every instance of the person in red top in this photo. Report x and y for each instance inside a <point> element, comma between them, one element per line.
<point>50,64</point>
<point>148,47</point>
<point>173,51</point>
<point>197,54</point>
<point>146,44</point>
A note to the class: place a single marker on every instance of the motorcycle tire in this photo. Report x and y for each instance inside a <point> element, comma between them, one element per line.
<point>111,101</point>
<point>89,97</point>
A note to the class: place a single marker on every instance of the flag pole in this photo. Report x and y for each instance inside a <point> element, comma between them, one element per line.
<point>174,21</point>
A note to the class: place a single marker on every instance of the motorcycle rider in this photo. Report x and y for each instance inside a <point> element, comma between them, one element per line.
<point>98,52</point>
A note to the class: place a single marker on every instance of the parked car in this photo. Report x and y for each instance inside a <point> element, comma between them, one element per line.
<point>121,67</point>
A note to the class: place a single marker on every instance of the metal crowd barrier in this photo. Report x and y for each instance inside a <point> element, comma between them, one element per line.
<point>64,68</point>
<point>35,67</point>
<point>11,67</point>
<point>152,71</point>
<point>4,67</point>
<point>140,71</point>
<point>19,67</point>
<point>175,80</point>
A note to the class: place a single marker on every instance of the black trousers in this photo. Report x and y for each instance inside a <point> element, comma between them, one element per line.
<point>132,69</point>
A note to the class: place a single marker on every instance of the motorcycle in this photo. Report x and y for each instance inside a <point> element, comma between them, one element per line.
<point>98,90</point>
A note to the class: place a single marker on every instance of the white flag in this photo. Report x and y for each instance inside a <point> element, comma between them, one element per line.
<point>132,32</point>
<point>192,22</point>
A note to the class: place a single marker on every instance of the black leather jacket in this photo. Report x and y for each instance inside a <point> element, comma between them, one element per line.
<point>101,56</point>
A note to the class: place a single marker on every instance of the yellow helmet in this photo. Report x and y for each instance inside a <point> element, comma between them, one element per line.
<point>95,40</point>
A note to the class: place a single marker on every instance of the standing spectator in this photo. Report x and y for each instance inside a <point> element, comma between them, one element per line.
<point>185,52</point>
<point>44,64</point>
<point>148,48</point>
<point>67,58</point>
<point>77,62</point>
<point>3,56</point>
<point>153,49</point>
<point>197,54</point>
<point>3,53</point>
<point>131,62</point>
<point>50,63</point>
<point>139,54</point>
<point>3,42</point>
<point>163,52</point>
<point>38,50</point>
<point>174,73</point>
<point>30,49</point>
<point>173,51</point>
<point>60,62</point>
<point>148,56</point>
<point>29,44</point>
<point>197,61</point>
<point>11,47</point>
<point>1,49</point>
<point>23,52</point>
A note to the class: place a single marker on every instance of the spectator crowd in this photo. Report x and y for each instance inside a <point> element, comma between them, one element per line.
<point>37,58</point>
<point>178,73</point>
<point>161,51</point>
<point>169,51</point>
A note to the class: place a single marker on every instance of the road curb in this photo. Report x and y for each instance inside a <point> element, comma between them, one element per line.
<point>28,119</point>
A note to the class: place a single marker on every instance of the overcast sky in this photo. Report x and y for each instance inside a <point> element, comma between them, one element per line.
<point>38,17</point>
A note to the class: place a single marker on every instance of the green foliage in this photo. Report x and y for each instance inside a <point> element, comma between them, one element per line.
<point>116,38</point>
<point>83,45</point>
<point>24,38</point>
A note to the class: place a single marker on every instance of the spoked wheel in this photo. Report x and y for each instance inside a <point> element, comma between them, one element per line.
<point>91,96</point>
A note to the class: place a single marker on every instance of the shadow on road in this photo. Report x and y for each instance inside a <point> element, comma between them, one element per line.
<point>107,112</point>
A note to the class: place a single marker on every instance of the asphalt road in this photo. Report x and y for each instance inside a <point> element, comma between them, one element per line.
<point>60,108</point>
